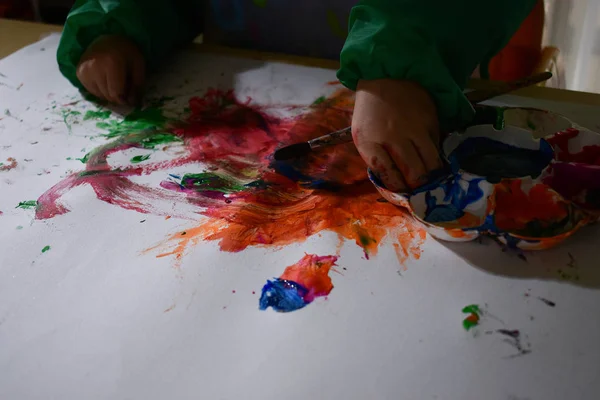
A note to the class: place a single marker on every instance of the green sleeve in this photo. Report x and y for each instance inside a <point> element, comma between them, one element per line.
<point>157,26</point>
<point>436,43</point>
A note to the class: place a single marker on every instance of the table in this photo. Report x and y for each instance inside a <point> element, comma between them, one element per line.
<point>88,309</point>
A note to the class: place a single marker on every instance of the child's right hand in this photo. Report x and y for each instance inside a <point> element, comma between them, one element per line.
<point>113,68</point>
<point>395,129</point>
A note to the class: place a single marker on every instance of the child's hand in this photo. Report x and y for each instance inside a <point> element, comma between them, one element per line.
<point>396,131</point>
<point>113,68</point>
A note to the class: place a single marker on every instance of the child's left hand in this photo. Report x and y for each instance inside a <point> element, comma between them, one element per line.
<point>396,131</point>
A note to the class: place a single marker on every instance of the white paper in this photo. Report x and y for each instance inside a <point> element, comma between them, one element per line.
<point>96,317</point>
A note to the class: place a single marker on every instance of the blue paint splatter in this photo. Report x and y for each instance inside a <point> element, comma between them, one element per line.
<point>283,296</point>
<point>456,199</point>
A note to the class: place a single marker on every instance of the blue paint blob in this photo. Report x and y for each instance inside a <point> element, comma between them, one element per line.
<point>282,295</point>
<point>496,160</point>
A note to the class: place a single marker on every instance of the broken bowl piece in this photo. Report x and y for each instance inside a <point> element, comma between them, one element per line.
<point>530,192</point>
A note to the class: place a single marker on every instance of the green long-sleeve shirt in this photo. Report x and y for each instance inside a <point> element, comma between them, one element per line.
<point>436,43</point>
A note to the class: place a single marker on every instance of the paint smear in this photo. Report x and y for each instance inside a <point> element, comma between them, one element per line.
<point>45,249</point>
<point>515,339</point>
<point>28,204</point>
<point>11,163</point>
<point>299,284</point>
<point>139,159</point>
<point>243,196</point>
<point>472,320</point>
<point>98,114</point>
<point>537,211</point>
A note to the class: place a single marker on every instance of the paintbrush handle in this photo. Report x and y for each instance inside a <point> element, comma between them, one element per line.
<point>337,137</point>
<point>477,96</point>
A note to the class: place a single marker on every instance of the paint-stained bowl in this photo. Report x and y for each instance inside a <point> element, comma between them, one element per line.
<point>540,122</point>
<point>454,209</point>
<point>485,152</point>
<point>532,184</point>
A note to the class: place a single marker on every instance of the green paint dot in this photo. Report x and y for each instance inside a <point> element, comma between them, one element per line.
<point>471,309</point>
<point>45,249</point>
<point>19,227</point>
<point>69,158</point>
<point>139,159</point>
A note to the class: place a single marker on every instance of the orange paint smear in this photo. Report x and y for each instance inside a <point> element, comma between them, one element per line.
<point>237,227</point>
<point>515,208</point>
<point>312,272</point>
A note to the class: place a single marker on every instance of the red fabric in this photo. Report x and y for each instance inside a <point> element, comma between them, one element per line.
<point>521,55</point>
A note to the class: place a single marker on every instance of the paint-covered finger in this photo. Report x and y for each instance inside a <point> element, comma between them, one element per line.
<point>115,81</point>
<point>407,160</point>
<point>382,165</point>
<point>429,153</point>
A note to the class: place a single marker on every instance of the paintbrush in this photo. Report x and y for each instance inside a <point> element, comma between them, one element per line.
<point>345,135</point>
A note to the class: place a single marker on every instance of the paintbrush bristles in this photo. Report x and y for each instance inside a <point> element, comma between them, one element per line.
<point>292,151</point>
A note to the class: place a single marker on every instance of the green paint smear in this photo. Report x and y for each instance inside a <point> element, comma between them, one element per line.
<point>137,120</point>
<point>213,182</point>
<point>139,159</point>
<point>472,309</point>
<point>84,159</point>
<point>27,204</point>
<point>45,249</point>
<point>96,115</point>
<point>157,139</point>
<point>66,113</point>
<point>319,100</point>
<point>19,227</point>
<point>365,240</point>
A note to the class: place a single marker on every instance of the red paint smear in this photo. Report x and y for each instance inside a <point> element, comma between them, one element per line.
<point>515,208</point>
<point>238,139</point>
<point>12,163</point>
<point>588,155</point>
<point>312,272</point>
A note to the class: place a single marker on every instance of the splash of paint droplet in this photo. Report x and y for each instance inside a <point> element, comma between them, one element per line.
<point>12,163</point>
<point>299,284</point>
<point>45,249</point>
<point>474,316</point>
